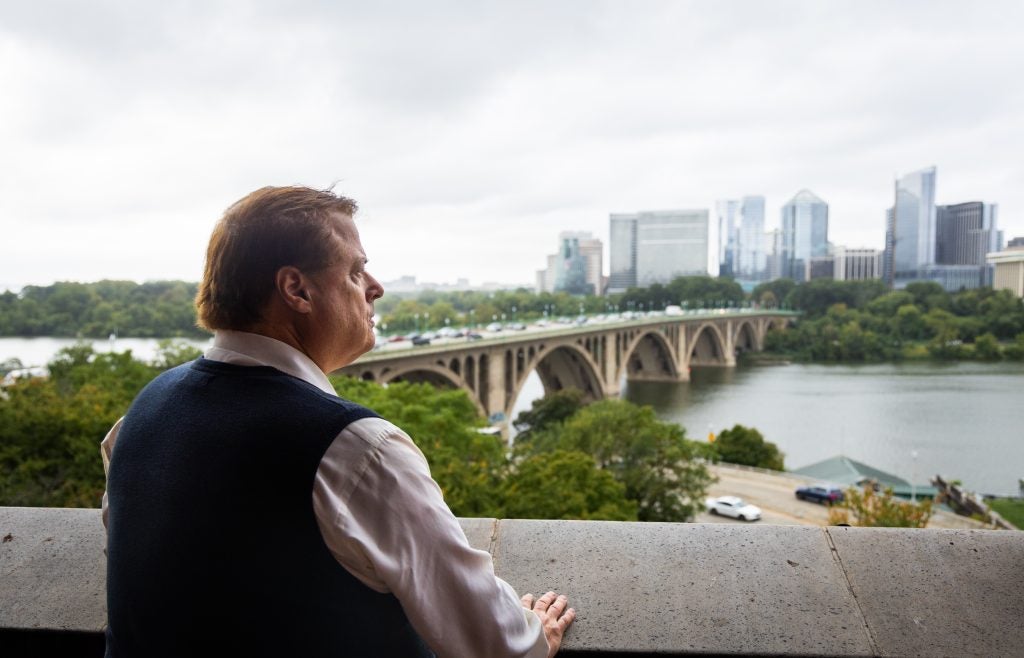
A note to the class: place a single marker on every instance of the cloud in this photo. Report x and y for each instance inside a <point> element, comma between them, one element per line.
<point>472,133</point>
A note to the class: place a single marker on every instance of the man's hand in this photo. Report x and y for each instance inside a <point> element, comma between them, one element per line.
<point>554,615</point>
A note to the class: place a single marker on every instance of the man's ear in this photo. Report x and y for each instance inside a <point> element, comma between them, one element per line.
<point>293,287</point>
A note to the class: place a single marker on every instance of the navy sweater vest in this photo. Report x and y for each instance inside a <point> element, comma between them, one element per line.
<point>213,545</point>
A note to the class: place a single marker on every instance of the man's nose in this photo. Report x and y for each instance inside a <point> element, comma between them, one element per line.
<point>375,290</point>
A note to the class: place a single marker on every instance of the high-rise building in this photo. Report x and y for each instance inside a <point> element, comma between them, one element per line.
<point>741,251</point>
<point>728,211</point>
<point>804,234</point>
<point>857,264</point>
<point>911,228</point>
<point>576,268</point>
<point>966,232</point>
<point>657,246</point>
<point>773,240</point>
<point>622,252</point>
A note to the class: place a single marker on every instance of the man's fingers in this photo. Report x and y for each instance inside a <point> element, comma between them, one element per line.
<point>543,602</point>
<point>567,618</point>
<point>527,600</point>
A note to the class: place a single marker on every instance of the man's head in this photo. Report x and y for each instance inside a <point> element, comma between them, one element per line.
<point>287,262</point>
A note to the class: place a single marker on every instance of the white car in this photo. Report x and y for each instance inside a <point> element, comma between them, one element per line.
<point>732,506</point>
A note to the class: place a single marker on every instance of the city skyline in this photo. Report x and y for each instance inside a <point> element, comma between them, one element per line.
<point>481,132</point>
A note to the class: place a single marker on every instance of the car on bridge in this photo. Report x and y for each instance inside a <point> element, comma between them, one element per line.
<point>732,506</point>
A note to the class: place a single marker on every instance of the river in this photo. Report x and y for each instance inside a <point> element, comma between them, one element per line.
<point>963,420</point>
<point>39,351</point>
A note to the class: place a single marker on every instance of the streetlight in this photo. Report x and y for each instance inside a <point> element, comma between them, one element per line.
<point>913,477</point>
<point>472,321</point>
<point>514,309</point>
<point>417,316</point>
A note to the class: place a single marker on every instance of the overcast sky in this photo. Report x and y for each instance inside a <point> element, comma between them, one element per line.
<point>472,132</point>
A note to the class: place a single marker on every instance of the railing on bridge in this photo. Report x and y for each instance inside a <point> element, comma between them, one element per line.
<point>639,588</point>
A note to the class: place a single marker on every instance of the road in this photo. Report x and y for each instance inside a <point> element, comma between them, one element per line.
<point>774,494</point>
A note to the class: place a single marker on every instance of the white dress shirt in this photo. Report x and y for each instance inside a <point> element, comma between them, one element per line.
<point>384,519</point>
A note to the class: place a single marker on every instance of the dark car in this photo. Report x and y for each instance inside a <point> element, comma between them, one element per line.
<point>820,493</point>
<point>421,340</point>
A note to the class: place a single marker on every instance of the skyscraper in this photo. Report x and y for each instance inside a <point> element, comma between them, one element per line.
<point>657,246</point>
<point>910,230</point>
<point>966,232</point>
<point>741,246</point>
<point>804,234</point>
<point>622,252</point>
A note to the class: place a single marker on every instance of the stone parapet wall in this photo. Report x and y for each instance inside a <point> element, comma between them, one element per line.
<point>639,588</point>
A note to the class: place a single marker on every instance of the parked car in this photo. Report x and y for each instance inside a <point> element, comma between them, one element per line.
<point>421,340</point>
<point>820,493</point>
<point>732,506</point>
<point>472,335</point>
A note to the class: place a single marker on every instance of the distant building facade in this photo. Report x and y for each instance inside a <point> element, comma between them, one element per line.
<point>741,238</point>
<point>657,246</point>
<point>804,234</point>
<point>966,232</point>
<point>1009,268</point>
<point>857,264</point>
<point>621,252</point>
<point>576,268</point>
<point>911,229</point>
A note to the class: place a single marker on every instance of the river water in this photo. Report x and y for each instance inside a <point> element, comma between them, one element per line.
<point>39,351</point>
<point>964,420</point>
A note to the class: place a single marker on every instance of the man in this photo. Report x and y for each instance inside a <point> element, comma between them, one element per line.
<point>250,511</point>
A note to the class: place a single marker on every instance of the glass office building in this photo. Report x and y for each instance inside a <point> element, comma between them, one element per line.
<point>804,234</point>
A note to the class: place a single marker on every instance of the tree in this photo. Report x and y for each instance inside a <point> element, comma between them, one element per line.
<point>986,348</point>
<point>564,485</point>
<point>745,445</point>
<point>547,412</point>
<point>869,508</point>
<point>650,458</point>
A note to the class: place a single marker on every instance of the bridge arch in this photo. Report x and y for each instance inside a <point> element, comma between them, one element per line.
<point>707,347</point>
<point>648,356</point>
<point>562,366</point>
<point>747,338</point>
<point>435,375</point>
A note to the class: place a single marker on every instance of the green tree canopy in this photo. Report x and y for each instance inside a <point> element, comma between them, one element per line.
<point>564,485</point>
<point>745,445</point>
<point>651,458</point>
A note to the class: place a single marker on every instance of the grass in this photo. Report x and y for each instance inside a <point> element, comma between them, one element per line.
<point>1011,509</point>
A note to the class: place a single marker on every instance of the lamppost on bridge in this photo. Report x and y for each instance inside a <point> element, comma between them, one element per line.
<point>472,320</point>
<point>417,317</point>
<point>514,309</point>
<point>426,320</point>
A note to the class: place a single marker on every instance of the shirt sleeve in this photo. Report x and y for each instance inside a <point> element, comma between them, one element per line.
<point>106,450</point>
<point>385,520</point>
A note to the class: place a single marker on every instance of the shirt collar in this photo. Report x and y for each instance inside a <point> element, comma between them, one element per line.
<point>246,349</point>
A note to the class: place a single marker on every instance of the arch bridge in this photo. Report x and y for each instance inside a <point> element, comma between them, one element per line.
<point>591,358</point>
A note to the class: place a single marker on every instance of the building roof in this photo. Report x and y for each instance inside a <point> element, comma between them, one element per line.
<point>845,471</point>
<point>805,196</point>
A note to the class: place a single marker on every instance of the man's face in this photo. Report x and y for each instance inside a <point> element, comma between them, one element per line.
<point>342,302</point>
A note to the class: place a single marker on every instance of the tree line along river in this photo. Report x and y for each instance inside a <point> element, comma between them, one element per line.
<point>963,420</point>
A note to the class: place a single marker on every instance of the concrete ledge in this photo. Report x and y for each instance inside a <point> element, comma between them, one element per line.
<point>639,588</point>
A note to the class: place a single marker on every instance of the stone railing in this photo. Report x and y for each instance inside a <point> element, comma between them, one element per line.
<point>639,588</point>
